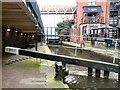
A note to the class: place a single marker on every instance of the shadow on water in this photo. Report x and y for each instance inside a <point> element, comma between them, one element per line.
<point>78,78</point>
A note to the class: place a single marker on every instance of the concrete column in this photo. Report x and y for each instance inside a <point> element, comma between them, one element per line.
<point>89,71</point>
<point>97,73</point>
<point>106,74</point>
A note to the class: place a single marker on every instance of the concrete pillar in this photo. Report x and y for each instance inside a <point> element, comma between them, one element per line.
<point>89,71</point>
<point>106,74</point>
<point>118,76</point>
<point>97,73</point>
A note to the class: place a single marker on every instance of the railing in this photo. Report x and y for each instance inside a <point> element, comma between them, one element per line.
<point>93,20</point>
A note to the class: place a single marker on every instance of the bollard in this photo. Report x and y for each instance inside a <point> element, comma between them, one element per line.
<point>97,73</point>
<point>89,71</point>
<point>106,74</point>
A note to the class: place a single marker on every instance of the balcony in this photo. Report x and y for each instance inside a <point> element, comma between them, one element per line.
<point>90,20</point>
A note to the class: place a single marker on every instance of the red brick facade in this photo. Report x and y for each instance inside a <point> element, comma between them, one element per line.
<point>77,33</point>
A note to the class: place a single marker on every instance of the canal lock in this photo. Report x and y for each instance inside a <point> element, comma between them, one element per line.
<point>82,53</point>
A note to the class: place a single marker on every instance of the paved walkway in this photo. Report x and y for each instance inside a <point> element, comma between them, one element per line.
<point>105,51</point>
<point>30,72</point>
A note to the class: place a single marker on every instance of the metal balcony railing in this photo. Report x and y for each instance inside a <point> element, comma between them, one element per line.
<point>93,20</point>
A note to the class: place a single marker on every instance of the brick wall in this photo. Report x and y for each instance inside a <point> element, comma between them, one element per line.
<point>105,14</point>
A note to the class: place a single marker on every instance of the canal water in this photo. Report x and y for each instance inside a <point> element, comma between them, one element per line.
<point>78,78</point>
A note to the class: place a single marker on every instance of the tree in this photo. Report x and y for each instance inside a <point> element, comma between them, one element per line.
<point>64,27</point>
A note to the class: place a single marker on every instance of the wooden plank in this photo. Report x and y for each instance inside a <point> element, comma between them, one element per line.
<point>12,10</point>
<point>18,23</point>
<point>14,16</point>
<point>15,20</point>
<point>8,5</point>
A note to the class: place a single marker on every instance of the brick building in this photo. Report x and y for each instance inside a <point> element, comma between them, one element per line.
<point>118,20</point>
<point>89,14</point>
<point>113,12</point>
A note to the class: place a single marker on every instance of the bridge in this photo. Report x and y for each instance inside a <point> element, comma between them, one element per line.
<point>57,9</point>
<point>97,65</point>
<point>21,22</point>
<point>21,15</point>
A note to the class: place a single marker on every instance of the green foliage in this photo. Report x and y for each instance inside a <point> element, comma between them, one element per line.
<point>64,27</point>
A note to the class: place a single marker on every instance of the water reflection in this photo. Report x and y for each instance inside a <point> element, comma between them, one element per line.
<point>78,75</point>
<point>78,81</point>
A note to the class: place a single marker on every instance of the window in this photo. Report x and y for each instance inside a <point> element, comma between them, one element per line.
<point>84,30</point>
<point>91,2</point>
<point>91,17</point>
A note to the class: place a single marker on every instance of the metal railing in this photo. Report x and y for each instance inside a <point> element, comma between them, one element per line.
<point>92,20</point>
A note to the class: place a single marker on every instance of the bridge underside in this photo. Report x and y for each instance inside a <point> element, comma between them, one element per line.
<point>17,16</point>
<point>19,19</point>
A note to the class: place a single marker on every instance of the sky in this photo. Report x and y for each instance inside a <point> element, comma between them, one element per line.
<point>56,2</point>
<point>52,20</point>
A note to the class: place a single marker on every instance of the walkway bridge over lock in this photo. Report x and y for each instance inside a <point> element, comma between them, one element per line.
<point>97,65</point>
<point>58,9</point>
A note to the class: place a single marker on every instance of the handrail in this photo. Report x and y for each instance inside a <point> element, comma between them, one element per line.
<point>90,20</point>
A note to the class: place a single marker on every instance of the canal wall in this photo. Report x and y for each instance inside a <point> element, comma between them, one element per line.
<point>31,72</point>
<point>94,53</point>
<point>48,67</point>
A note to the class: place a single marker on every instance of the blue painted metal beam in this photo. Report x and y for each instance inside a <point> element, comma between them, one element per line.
<point>32,4</point>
